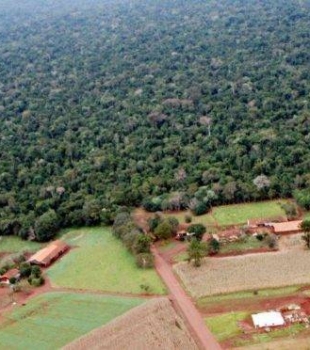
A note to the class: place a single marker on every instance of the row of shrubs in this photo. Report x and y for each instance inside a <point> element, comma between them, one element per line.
<point>136,241</point>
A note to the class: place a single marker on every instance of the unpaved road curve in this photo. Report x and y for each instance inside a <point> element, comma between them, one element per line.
<point>203,336</point>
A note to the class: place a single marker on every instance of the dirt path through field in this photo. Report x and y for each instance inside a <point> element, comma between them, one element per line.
<point>203,336</point>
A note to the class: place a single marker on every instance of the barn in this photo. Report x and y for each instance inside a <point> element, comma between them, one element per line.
<point>13,273</point>
<point>49,254</point>
<point>286,227</point>
<point>268,319</point>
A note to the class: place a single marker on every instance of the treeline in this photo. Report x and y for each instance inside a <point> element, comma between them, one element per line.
<point>168,104</point>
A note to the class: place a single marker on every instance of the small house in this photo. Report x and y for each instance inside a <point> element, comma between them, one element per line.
<point>286,227</point>
<point>13,273</point>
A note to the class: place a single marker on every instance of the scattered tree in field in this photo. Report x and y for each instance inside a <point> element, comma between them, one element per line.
<point>145,260</point>
<point>305,226</point>
<point>198,230</point>
<point>196,251</point>
<point>213,246</point>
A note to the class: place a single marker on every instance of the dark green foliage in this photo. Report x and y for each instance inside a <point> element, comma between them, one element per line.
<point>46,226</point>
<point>305,226</point>
<point>198,230</point>
<point>25,270</point>
<point>214,246</point>
<point>302,197</point>
<point>104,104</point>
<point>12,280</point>
<point>196,251</point>
<point>164,230</point>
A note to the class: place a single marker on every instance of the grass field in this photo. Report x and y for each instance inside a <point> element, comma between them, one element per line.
<point>225,326</point>
<point>51,320</point>
<point>101,262</point>
<point>235,213</point>
<point>248,244</point>
<point>13,244</point>
<point>240,213</point>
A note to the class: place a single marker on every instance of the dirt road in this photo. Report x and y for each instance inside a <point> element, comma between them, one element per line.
<point>203,336</point>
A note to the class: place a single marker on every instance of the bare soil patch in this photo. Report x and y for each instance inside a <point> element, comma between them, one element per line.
<point>153,325</point>
<point>248,272</point>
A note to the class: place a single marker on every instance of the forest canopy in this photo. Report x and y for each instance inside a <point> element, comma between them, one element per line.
<point>166,103</point>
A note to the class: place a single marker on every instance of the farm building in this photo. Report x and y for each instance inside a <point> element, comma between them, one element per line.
<point>268,319</point>
<point>13,273</point>
<point>47,255</point>
<point>286,227</point>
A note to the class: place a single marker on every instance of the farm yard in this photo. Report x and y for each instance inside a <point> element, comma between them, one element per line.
<point>51,320</point>
<point>248,272</point>
<point>98,261</point>
<point>155,324</point>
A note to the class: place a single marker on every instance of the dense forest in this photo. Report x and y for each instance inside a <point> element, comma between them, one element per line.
<point>169,104</point>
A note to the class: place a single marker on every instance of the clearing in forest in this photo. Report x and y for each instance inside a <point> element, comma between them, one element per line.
<point>98,261</point>
<point>52,320</point>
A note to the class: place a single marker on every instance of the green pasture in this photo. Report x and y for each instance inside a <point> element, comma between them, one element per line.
<point>52,320</point>
<point>98,261</point>
<point>241,213</point>
<point>225,326</point>
<point>14,244</point>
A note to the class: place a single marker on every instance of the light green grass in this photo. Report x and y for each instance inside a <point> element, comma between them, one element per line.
<point>183,256</point>
<point>241,246</point>
<point>306,215</point>
<point>240,213</point>
<point>274,334</point>
<point>285,291</point>
<point>101,262</point>
<point>225,326</point>
<point>206,219</point>
<point>13,244</point>
<point>52,320</point>
<point>166,246</point>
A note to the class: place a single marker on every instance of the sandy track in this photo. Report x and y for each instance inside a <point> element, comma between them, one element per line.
<point>203,336</point>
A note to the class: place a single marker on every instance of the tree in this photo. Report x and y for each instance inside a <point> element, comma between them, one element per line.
<point>305,226</point>
<point>198,230</point>
<point>196,251</point>
<point>46,226</point>
<point>214,246</point>
<point>164,230</point>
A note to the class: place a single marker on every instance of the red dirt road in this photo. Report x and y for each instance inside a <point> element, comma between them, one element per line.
<point>203,336</point>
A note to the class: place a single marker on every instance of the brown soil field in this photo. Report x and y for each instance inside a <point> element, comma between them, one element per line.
<point>247,272</point>
<point>153,325</point>
<point>290,344</point>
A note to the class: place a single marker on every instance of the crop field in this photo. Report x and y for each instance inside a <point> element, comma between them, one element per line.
<point>51,320</point>
<point>13,244</point>
<point>240,213</point>
<point>247,272</point>
<point>100,262</point>
<point>152,325</point>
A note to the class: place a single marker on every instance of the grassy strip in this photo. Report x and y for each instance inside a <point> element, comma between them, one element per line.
<point>242,246</point>
<point>226,326</point>
<point>13,244</point>
<point>248,295</point>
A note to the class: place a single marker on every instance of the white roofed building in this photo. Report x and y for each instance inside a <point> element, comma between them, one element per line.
<point>268,319</point>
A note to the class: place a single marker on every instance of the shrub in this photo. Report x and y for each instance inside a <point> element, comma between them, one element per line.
<point>164,230</point>
<point>37,282</point>
<point>25,269</point>
<point>188,218</point>
<point>214,246</point>
<point>198,230</point>
<point>272,241</point>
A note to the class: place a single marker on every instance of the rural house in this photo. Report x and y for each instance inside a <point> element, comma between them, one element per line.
<point>13,273</point>
<point>286,227</point>
<point>47,255</point>
<point>268,319</point>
